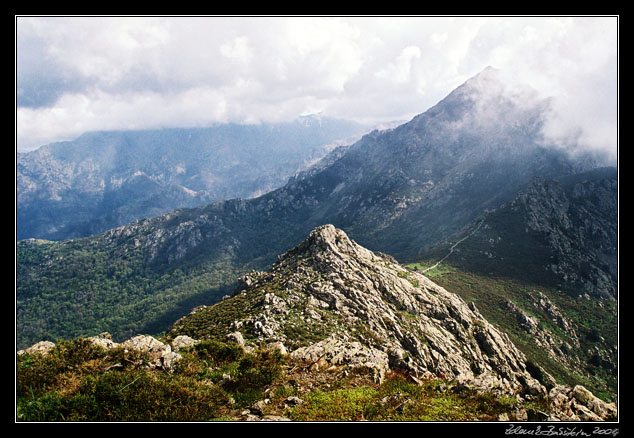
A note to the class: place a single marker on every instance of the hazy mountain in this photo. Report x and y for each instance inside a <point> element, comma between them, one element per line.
<point>400,191</point>
<point>103,180</point>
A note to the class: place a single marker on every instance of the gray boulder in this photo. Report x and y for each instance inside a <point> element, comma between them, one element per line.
<point>161,354</point>
<point>42,347</point>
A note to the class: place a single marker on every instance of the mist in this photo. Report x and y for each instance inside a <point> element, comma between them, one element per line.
<point>79,74</point>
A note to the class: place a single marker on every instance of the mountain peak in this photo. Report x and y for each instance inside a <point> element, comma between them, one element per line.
<point>492,84</point>
<point>489,71</point>
<point>327,237</point>
<point>326,234</point>
<point>489,83</point>
<point>489,74</point>
<point>331,293</point>
<point>327,249</point>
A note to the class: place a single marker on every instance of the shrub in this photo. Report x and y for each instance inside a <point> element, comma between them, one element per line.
<point>254,372</point>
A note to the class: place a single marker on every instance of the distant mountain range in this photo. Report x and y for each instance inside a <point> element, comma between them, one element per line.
<point>478,155</point>
<point>103,180</point>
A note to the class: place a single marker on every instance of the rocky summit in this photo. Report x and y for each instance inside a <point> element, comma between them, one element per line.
<point>334,303</point>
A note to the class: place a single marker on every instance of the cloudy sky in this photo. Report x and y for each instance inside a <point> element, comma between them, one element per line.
<point>78,74</point>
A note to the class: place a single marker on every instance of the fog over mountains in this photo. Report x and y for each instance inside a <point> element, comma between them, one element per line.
<point>103,180</point>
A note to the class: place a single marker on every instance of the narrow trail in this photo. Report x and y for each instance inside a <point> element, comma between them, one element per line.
<point>453,247</point>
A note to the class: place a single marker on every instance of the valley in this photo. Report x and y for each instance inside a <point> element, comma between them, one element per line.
<point>103,180</point>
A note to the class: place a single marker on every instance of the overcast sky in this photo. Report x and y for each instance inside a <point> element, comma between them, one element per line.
<point>78,74</point>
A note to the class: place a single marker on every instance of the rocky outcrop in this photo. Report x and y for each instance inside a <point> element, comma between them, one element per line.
<point>335,303</point>
<point>42,347</point>
<point>542,302</point>
<point>160,354</point>
<point>332,352</point>
<point>579,404</point>
<point>556,348</point>
<point>183,342</point>
<point>423,328</point>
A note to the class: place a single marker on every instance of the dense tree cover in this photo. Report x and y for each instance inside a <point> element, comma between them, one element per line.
<point>91,289</point>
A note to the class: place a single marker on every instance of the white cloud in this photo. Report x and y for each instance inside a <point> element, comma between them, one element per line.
<point>238,49</point>
<point>400,70</point>
<point>77,74</point>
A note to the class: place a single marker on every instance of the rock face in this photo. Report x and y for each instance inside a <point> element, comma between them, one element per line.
<point>578,404</point>
<point>560,232</point>
<point>336,303</point>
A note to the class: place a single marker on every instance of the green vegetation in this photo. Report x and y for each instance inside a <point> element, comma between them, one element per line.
<point>82,288</point>
<point>143,277</point>
<point>431,273</point>
<point>213,322</point>
<point>301,333</point>
<point>400,399</point>
<point>79,381</point>
<point>405,275</point>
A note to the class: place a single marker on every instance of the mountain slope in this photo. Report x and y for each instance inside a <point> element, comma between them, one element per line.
<point>557,232</point>
<point>400,191</point>
<point>337,292</point>
<point>334,302</point>
<point>106,179</point>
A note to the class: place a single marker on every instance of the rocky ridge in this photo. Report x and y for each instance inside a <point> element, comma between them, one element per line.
<point>333,303</point>
<point>332,306</point>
